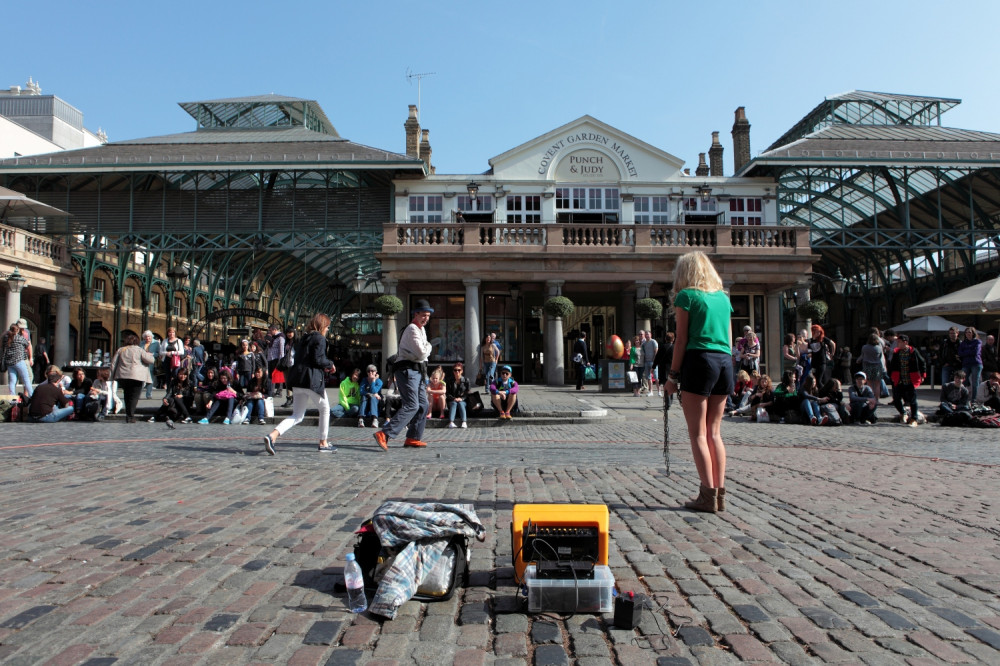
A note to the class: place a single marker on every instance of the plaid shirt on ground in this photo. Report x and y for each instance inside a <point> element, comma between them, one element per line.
<point>422,531</point>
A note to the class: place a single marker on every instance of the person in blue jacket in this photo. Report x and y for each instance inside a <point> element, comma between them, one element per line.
<point>371,386</point>
<point>504,392</point>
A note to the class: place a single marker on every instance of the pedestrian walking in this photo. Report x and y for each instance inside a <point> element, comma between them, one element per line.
<point>410,375</point>
<point>309,376</point>
<point>581,359</point>
<point>130,368</point>
<point>702,364</point>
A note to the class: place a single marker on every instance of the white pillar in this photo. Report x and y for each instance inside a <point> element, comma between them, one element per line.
<point>555,372</point>
<point>13,308</point>
<point>60,345</point>
<point>472,336</point>
<point>774,337</point>
<point>390,339</point>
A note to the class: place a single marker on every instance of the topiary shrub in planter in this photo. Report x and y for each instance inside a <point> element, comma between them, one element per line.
<point>559,306</point>
<point>648,308</point>
<point>387,305</point>
<point>816,310</point>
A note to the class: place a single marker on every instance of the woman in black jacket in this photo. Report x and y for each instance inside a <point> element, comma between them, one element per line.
<point>309,372</point>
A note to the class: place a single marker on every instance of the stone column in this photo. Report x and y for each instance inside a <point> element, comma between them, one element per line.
<point>555,372</point>
<point>472,336</point>
<point>642,291</point>
<point>773,337</point>
<point>390,339</point>
<point>61,354</point>
<point>13,307</point>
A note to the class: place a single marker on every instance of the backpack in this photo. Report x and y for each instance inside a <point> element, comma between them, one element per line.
<point>451,570</point>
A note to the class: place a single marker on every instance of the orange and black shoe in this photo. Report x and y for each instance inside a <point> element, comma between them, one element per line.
<point>414,443</point>
<point>382,440</point>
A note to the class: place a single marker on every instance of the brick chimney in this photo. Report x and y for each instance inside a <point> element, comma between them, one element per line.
<point>741,140</point>
<point>702,169</point>
<point>715,155</point>
<point>412,126</point>
<point>425,149</point>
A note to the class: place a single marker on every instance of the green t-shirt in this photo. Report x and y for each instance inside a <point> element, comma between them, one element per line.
<point>709,314</point>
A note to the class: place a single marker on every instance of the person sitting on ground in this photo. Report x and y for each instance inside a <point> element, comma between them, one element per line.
<point>457,392</point>
<point>371,396</point>
<point>862,400</point>
<point>954,395</point>
<point>787,400</point>
<point>739,400</point>
<point>202,393</point>
<point>831,403</point>
<point>989,391</point>
<point>78,389</point>
<point>906,368</point>
<point>504,392</point>
<point>763,397</point>
<point>224,394</point>
<point>99,391</point>
<point>437,397</point>
<point>47,396</point>
<point>349,403</point>
<point>174,405</point>
<point>810,401</point>
<point>258,391</point>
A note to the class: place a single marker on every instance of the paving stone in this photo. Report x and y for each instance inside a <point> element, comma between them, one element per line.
<point>859,598</point>
<point>893,619</point>
<point>988,636</point>
<point>322,633</point>
<point>824,618</point>
<point>955,617</point>
<point>695,636</point>
<point>545,632</point>
<point>551,655</point>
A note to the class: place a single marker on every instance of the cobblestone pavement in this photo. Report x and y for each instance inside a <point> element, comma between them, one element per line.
<point>135,544</point>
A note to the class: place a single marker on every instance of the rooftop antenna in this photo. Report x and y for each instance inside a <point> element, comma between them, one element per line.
<point>410,75</point>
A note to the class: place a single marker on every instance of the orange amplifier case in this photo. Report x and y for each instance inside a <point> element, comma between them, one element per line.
<point>557,515</point>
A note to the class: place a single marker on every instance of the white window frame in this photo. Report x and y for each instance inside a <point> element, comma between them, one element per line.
<point>484,203</point>
<point>746,211</point>
<point>128,296</point>
<point>697,205</point>
<point>652,209</point>
<point>426,208</point>
<point>98,291</point>
<point>524,208</point>
<point>178,306</point>
<point>154,302</point>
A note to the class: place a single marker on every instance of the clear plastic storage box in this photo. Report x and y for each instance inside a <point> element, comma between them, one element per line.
<point>566,595</point>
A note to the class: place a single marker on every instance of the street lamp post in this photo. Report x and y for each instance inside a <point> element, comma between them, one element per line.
<point>176,274</point>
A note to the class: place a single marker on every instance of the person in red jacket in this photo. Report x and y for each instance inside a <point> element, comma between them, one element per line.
<point>906,369</point>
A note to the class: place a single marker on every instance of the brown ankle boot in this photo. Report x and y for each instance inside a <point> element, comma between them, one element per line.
<point>721,500</point>
<point>706,501</point>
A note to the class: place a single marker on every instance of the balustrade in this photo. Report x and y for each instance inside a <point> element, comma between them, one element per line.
<point>610,236</point>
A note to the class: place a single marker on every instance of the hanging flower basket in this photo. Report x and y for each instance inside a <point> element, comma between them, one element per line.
<point>387,305</point>
<point>559,306</point>
<point>648,308</point>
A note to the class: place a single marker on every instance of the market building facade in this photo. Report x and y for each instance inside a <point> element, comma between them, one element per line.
<point>591,213</point>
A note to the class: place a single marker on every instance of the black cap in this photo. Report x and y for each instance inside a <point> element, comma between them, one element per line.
<point>422,306</point>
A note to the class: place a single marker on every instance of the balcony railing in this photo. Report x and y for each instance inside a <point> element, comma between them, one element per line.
<point>37,248</point>
<point>610,237</point>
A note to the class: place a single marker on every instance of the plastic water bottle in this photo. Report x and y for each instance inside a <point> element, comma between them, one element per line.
<point>355,583</point>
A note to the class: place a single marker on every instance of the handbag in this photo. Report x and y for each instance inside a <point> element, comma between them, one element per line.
<point>589,372</point>
<point>762,416</point>
<point>269,407</point>
<point>480,378</point>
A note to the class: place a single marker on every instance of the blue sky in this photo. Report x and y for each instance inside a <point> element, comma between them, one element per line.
<point>668,73</point>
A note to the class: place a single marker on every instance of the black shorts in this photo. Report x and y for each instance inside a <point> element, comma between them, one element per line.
<point>707,372</point>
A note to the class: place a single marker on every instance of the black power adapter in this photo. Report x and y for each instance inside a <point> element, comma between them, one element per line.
<point>628,610</point>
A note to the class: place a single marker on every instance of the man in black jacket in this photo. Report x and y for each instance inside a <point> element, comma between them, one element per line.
<point>581,359</point>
